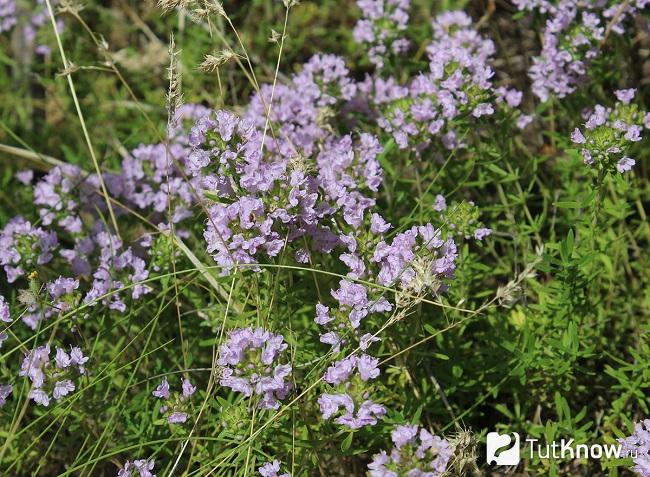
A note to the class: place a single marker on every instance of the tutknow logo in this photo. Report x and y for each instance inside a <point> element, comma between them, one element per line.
<point>496,442</point>
<point>505,449</point>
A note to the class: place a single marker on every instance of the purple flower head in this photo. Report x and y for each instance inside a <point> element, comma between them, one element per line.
<point>143,467</point>
<point>162,390</point>
<point>5,391</point>
<point>249,363</point>
<point>381,27</point>
<point>271,469</point>
<point>23,247</point>
<point>625,95</point>
<point>638,446</point>
<point>481,233</point>
<point>416,453</point>
<point>5,313</point>
<point>625,164</point>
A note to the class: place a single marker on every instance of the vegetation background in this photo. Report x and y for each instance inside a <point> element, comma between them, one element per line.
<point>560,347</point>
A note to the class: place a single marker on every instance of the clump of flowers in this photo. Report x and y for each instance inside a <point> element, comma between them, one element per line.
<point>381,28</point>
<point>263,200</point>
<point>416,453</point>
<point>175,406</point>
<point>52,378</point>
<point>8,18</point>
<point>62,297</point>
<point>250,363</point>
<point>456,89</point>
<point>609,133</point>
<point>271,469</point>
<point>143,467</point>
<point>58,195</point>
<point>116,270</point>
<point>23,247</point>
<point>638,447</point>
<point>299,112</point>
<point>350,376</point>
<point>572,40</point>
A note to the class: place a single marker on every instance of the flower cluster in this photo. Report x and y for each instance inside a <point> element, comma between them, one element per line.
<point>265,200</point>
<point>572,40</point>
<point>175,408</point>
<point>116,269</point>
<point>638,446</point>
<point>381,28</point>
<point>358,409</point>
<point>143,467</point>
<point>456,88</point>
<point>295,116</point>
<point>609,133</point>
<point>62,297</point>
<point>8,18</point>
<point>427,458</point>
<point>35,19</point>
<point>52,377</point>
<point>250,363</point>
<point>24,246</point>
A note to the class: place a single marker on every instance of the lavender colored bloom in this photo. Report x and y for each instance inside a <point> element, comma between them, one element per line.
<point>23,247</point>
<point>188,389</point>
<point>480,234</point>
<point>427,456</point>
<point>610,133</point>
<point>62,388</point>
<point>116,270</point>
<point>25,177</point>
<point>625,96</point>
<point>5,313</point>
<point>638,446</point>
<point>162,391</point>
<point>271,469</point>
<point>39,397</point>
<point>177,418</point>
<point>380,28</point>
<point>5,391</point>
<point>523,121</point>
<point>247,362</point>
<point>625,164</point>
<point>143,467</point>
<point>78,359</point>
<point>440,204</point>
<point>577,137</point>
<point>340,374</point>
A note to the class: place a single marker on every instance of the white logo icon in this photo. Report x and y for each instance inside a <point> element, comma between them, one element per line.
<point>496,442</point>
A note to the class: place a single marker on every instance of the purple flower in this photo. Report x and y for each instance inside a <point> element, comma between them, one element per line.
<point>480,234</point>
<point>247,360</point>
<point>428,457</point>
<point>440,204</point>
<point>143,467</point>
<point>625,164</point>
<point>577,137</point>
<point>162,391</point>
<point>62,388</point>
<point>25,176</point>
<point>39,397</point>
<point>5,313</point>
<point>625,95</point>
<point>271,469</point>
<point>188,389</point>
<point>177,418</point>
<point>5,391</point>
<point>638,446</point>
